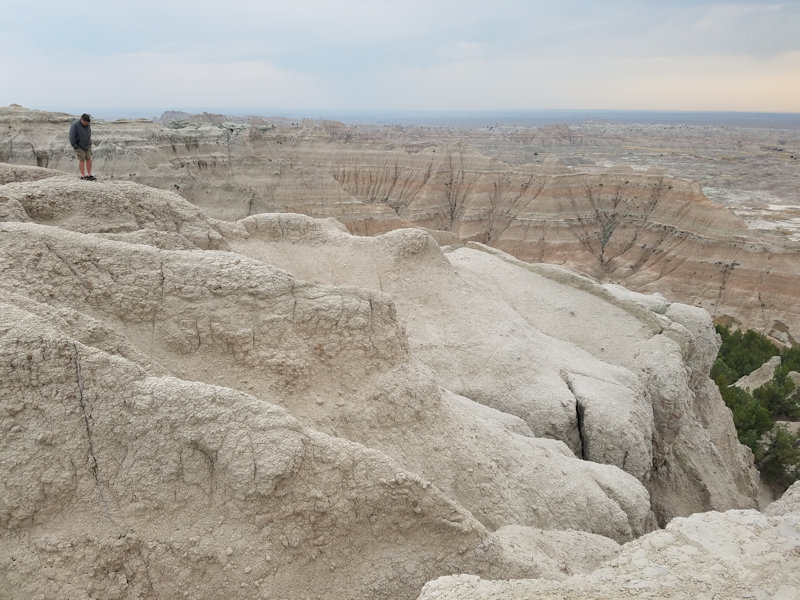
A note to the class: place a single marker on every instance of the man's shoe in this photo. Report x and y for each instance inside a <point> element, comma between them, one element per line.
<point>84,177</point>
<point>91,178</point>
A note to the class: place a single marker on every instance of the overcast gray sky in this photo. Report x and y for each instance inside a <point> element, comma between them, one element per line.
<point>402,54</point>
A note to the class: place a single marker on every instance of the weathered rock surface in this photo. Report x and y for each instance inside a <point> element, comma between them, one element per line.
<point>735,554</point>
<point>194,406</point>
<point>648,230</point>
<point>634,393</point>
<point>335,356</point>
<point>129,473</point>
<point>117,484</point>
<point>760,376</point>
<point>553,554</point>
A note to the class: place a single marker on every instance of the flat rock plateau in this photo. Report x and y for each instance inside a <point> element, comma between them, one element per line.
<point>276,360</point>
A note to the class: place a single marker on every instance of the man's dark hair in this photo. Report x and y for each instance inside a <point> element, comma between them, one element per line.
<point>86,117</point>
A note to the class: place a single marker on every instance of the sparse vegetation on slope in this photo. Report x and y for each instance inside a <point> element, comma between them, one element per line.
<point>757,415</point>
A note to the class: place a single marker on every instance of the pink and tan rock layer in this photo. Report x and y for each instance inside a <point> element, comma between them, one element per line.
<point>646,230</point>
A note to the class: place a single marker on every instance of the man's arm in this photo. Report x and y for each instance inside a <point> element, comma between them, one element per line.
<point>73,135</point>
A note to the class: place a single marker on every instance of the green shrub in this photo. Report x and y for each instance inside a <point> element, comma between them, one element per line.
<point>779,397</point>
<point>790,359</point>
<point>722,373</point>
<point>779,457</point>
<point>751,418</point>
<point>743,353</point>
<point>775,448</point>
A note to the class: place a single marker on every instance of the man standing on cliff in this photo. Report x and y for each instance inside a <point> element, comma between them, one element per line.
<point>80,137</point>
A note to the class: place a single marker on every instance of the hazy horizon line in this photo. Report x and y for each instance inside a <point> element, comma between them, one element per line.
<point>462,117</point>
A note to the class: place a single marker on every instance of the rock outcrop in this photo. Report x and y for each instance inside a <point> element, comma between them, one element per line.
<point>735,554</point>
<point>196,407</point>
<point>643,229</point>
<point>760,376</point>
<point>515,337</point>
<point>118,484</point>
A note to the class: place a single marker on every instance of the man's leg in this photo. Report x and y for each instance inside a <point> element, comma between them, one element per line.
<point>88,167</point>
<point>81,164</point>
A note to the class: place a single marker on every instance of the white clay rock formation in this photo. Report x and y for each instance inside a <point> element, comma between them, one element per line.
<point>274,407</point>
<point>735,554</point>
<point>760,376</point>
<point>516,337</point>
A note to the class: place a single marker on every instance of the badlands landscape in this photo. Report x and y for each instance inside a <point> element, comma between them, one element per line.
<point>265,359</point>
<point>709,216</point>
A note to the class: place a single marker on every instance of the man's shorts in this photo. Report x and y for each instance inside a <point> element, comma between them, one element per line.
<point>83,154</point>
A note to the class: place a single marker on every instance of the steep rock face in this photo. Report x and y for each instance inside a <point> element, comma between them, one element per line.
<point>734,554</point>
<point>634,392</point>
<point>645,230</point>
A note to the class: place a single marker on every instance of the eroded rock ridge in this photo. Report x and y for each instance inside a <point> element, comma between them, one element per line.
<point>201,407</point>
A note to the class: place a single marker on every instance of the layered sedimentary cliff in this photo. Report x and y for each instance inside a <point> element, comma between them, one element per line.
<point>647,230</point>
<point>198,407</point>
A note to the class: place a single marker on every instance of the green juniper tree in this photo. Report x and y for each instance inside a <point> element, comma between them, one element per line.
<point>775,448</point>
